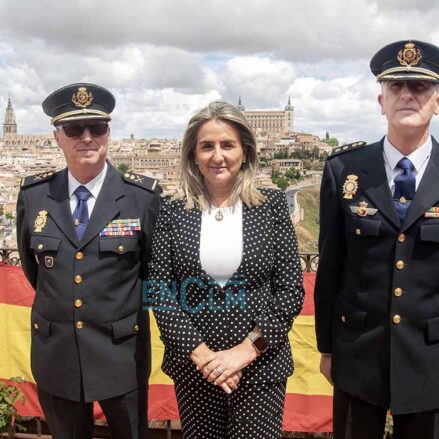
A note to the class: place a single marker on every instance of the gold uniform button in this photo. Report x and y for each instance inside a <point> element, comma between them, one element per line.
<point>79,255</point>
<point>79,325</point>
<point>40,247</point>
<point>396,319</point>
<point>357,231</point>
<point>402,237</point>
<point>78,279</point>
<point>78,303</point>
<point>343,319</point>
<point>136,328</point>
<point>36,326</point>
<point>400,265</point>
<point>397,292</point>
<point>121,248</point>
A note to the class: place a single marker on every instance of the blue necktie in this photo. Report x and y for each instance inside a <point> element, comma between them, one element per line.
<point>404,187</point>
<point>80,214</point>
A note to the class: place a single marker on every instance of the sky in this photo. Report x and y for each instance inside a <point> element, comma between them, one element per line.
<point>165,59</point>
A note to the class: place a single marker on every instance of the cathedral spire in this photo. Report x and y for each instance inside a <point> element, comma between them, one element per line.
<point>240,106</point>
<point>10,124</point>
<point>289,107</point>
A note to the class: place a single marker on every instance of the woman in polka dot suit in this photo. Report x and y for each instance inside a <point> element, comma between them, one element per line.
<point>225,284</point>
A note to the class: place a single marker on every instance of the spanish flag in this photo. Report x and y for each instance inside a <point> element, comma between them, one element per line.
<point>308,405</point>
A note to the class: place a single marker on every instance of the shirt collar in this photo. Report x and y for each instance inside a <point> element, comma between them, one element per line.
<point>94,186</point>
<point>417,157</point>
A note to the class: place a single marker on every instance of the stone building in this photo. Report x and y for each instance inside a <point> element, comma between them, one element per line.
<point>270,122</point>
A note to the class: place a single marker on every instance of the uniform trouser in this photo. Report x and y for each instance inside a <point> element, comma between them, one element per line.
<point>125,414</point>
<point>253,411</point>
<point>357,419</point>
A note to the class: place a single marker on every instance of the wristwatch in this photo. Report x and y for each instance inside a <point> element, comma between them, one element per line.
<point>259,342</point>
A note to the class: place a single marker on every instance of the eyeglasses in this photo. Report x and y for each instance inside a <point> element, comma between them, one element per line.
<point>76,130</point>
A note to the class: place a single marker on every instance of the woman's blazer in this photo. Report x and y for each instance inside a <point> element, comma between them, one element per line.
<point>266,289</point>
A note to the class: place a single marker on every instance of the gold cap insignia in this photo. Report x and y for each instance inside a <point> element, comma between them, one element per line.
<point>82,98</point>
<point>410,55</point>
<point>40,221</point>
<point>350,187</point>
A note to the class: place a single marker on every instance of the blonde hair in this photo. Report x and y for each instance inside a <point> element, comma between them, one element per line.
<point>191,187</point>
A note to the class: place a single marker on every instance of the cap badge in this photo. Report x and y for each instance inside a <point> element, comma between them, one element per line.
<point>410,55</point>
<point>40,221</point>
<point>350,187</point>
<point>82,98</point>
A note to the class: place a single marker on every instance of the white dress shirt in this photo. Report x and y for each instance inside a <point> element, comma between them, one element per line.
<point>419,157</point>
<point>94,186</point>
<point>221,242</point>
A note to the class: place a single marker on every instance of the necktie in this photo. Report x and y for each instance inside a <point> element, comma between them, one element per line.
<point>404,187</point>
<point>80,214</point>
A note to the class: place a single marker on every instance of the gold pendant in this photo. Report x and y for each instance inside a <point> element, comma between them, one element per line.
<point>219,215</point>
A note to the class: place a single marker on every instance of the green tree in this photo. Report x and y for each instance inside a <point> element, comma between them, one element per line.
<point>282,183</point>
<point>274,174</point>
<point>123,168</point>
<point>293,174</point>
<point>332,142</point>
<point>9,216</point>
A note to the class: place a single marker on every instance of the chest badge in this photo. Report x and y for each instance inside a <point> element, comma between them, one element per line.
<point>350,187</point>
<point>48,261</point>
<point>362,209</point>
<point>40,221</point>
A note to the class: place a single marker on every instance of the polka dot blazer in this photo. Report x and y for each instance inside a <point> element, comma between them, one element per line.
<point>266,289</point>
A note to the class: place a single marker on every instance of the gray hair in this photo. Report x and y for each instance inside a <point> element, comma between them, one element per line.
<point>191,187</point>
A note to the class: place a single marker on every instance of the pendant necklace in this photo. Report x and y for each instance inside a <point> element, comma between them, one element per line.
<point>219,215</point>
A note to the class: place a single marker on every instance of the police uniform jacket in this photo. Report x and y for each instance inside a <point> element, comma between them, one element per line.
<point>86,327</point>
<point>376,294</point>
<point>266,289</point>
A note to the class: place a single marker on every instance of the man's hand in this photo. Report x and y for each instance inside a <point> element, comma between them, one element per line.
<point>229,362</point>
<point>325,367</point>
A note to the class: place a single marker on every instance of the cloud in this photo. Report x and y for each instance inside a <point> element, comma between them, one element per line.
<point>163,59</point>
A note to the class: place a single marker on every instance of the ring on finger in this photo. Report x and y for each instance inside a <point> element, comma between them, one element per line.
<point>219,371</point>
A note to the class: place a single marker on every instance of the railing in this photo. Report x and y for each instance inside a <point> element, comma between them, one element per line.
<point>309,261</point>
<point>9,256</point>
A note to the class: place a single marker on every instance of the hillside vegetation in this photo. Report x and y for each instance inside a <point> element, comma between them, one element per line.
<point>308,229</point>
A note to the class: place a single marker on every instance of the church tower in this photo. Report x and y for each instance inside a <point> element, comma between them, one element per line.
<point>240,106</point>
<point>289,113</point>
<point>10,124</point>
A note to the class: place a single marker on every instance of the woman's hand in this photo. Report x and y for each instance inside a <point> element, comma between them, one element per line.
<point>202,356</point>
<point>229,362</point>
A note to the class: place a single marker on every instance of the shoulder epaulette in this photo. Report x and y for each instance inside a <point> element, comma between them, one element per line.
<point>347,147</point>
<point>37,178</point>
<point>141,180</point>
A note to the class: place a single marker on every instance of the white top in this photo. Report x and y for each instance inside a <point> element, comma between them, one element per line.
<point>419,157</point>
<point>221,242</point>
<point>94,186</point>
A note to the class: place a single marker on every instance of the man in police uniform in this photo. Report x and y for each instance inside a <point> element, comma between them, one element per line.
<point>84,240</point>
<point>377,287</point>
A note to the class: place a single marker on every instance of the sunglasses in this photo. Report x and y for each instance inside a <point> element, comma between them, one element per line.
<point>76,130</point>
